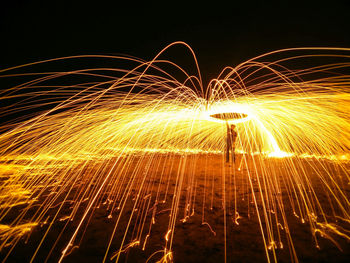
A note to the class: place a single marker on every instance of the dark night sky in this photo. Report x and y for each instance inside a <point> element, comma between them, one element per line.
<point>221,34</point>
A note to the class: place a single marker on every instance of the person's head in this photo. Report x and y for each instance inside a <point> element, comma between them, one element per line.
<point>233,126</point>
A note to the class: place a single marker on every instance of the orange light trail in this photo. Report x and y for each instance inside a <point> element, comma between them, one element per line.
<point>138,143</point>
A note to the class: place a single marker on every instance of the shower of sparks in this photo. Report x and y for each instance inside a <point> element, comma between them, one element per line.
<point>132,142</point>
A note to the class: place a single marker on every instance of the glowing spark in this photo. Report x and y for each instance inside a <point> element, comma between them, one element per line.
<point>137,143</point>
<point>167,235</point>
<point>135,243</point>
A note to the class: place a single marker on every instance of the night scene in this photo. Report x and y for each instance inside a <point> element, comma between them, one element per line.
<point>174,132</point>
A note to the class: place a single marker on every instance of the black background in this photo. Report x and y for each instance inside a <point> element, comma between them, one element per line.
<point>221,33</point>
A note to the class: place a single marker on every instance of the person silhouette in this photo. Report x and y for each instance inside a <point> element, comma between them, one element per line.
<point>231,142</point>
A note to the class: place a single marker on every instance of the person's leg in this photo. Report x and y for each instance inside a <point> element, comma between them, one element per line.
<point>227,153</point>
<point>233,155</point>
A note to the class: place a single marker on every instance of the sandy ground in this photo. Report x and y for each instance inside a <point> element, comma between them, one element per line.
<point>207,182</point>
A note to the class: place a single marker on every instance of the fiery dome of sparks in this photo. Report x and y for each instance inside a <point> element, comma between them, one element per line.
<point>135,144</point>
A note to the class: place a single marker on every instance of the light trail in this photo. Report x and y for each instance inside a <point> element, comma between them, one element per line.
<point>133,141</point>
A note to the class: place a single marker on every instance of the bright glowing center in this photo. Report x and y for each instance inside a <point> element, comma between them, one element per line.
<point>231,117</point>
<point>236,117</point>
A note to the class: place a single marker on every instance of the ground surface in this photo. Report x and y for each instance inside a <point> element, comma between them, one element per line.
<point>204,178</point>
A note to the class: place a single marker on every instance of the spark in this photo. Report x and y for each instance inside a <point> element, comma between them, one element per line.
<point>135,243</point>
<point>133,143</point>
